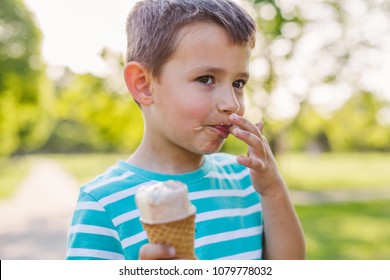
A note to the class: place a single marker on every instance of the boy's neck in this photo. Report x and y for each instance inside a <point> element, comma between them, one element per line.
<point>166,163</point>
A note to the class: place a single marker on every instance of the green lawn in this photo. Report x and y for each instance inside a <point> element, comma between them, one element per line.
<point>353,231</point>
<point>335,171</point>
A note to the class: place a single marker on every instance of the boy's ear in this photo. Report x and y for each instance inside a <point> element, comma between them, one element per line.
<point>137,79</point>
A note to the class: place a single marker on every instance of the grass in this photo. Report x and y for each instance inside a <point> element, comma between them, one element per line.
<point>12,172</point>
<point>353,231</point>
<point>335,171</point>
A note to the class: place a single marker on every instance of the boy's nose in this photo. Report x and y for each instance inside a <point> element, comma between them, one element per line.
<point>228,102</point>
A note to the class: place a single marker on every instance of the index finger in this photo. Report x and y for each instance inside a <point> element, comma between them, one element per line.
<point>244,124</point>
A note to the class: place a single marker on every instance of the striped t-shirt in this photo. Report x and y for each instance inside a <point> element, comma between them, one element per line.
<point>229,223</point>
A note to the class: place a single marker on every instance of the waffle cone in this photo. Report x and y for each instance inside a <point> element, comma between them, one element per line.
<point>178,234</point>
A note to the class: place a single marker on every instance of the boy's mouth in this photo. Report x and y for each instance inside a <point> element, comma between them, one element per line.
<point>222,129</point>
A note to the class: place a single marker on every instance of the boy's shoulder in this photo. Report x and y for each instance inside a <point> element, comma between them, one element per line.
<point>113,180</point>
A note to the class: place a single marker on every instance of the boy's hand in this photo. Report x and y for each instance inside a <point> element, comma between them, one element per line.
<point>265,175</point>
<point>151,251</point>
<point>283,233</point>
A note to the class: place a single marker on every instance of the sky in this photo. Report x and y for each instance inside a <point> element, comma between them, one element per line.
<point>74,31</point>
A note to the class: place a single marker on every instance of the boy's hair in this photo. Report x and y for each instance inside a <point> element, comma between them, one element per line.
<point>153,27</point>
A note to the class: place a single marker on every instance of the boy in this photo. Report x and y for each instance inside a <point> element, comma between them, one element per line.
<point>187,66</point>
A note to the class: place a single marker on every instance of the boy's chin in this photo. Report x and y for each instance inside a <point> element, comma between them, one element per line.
<point>212,149</point>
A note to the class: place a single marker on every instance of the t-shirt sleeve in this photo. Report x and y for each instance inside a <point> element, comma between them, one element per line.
<point>92,234</point>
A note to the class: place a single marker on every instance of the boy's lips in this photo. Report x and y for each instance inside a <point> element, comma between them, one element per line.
<point>221,129</point>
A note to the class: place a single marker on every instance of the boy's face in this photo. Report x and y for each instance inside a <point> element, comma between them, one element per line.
<point>200,85</point>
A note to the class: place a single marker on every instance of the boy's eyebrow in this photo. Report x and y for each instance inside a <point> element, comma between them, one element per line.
<point>216,70</point>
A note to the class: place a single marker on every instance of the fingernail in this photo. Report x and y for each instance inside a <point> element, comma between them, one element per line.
<point>260,125</point>
<point>234,117</point>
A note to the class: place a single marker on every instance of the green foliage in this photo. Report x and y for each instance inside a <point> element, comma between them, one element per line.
<point>12,172</point>
<point>85,167</point>
<point>91,118</point>
<point>25,92</point>
<point>355,126</point>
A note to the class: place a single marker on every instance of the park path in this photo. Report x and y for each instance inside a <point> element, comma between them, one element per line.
<point>35,220</point>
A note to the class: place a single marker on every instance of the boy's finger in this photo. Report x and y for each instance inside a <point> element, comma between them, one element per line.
<point>253,163</point>
<point>244,124</point>
<point>260,126</point>
<point>249,138</point>
<point>156,252</point>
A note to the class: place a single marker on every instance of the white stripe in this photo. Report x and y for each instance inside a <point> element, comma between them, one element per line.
<point>95,254</point>
<point>244,256</point>
<point>108,181</point>
<point>221,193</point>
<point>80,228</point>
<point>224,162</point>
<point>134,239</point>
<point>226,236</point>
<point>122,194</point>
<point>232,176</point>
<point>89,206</point>
<point>126,217</point>
<point>224,213</point>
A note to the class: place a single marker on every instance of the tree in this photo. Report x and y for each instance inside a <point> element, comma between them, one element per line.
<point>95,114</point>
<point>355,127</point>
<point>25,92</point>
<point>311,59</point>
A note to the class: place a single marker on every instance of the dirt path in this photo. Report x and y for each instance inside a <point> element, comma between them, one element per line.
<point>35,220</point>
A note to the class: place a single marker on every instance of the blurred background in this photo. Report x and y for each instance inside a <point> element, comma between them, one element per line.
<point>319,80</point>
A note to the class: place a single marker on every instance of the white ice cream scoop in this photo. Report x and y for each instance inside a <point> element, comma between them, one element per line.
<point>164,202</point>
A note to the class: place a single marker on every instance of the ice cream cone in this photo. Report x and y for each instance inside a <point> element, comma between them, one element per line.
<point>178,234</point>
<point>168,216</point>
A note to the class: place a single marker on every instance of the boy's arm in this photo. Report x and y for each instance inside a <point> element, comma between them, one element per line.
<point>283,233</point>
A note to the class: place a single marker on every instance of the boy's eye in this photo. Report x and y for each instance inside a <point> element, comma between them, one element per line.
<point>239,84</point>
<point>208,80</point>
